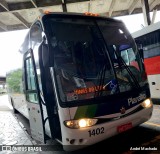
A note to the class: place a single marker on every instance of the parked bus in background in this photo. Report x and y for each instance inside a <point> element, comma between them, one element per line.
<point>82,79</point>
<point>149,38</point>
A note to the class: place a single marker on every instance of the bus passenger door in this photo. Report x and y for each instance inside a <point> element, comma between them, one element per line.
<point>34,105</point>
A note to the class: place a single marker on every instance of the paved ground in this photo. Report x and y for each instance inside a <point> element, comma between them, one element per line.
<point>155,116</point>
<point>13,133</point>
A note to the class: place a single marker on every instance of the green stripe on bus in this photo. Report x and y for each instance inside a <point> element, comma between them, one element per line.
<point>91,111</point>
<point>86,111</point>
<point>81,112</point>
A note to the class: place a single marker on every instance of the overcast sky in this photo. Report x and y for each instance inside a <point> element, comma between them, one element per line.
<point>10,42</point>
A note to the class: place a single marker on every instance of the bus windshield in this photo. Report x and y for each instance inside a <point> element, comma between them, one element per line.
<point>92,58</point>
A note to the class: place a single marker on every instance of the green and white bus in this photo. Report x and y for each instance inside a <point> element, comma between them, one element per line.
<point>83,80</point>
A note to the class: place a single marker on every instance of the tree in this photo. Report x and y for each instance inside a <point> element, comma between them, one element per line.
<point>14,81</point>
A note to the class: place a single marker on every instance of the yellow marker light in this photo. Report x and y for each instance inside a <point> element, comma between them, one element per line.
<point>96,14</point>
<point>86,13</point>
<point>47,12</point>
<point>147,103</point>
<point>82,123</point>
<point>91,14</point>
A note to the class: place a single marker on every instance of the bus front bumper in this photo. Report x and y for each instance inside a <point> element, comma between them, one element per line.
<point>75,139</point>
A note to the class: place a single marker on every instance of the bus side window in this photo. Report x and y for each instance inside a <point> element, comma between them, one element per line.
<point>31,92</point>
<point>35,41</point>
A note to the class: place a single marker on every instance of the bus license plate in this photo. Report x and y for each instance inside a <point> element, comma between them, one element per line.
<point>124,127</point>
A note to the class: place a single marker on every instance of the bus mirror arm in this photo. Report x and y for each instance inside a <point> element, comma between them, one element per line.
<point>44,39</point>
<point>141,53</point>
<point>140,50</point>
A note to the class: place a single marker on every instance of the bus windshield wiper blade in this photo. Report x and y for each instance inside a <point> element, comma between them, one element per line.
<point>128,70</point>
<point>101,77</point>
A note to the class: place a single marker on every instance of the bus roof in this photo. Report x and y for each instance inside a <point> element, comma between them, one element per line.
<point>73,14</point>
<point>146,30</point>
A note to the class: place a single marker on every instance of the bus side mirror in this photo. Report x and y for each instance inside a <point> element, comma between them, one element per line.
<point>44,53</point>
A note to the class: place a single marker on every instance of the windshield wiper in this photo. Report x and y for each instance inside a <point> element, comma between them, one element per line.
<point>121,61</point>
<point>101,77</point>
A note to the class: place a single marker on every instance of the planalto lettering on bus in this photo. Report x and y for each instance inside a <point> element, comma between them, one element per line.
<point>132,101</point>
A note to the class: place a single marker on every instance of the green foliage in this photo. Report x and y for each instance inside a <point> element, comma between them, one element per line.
<point>14,81</point>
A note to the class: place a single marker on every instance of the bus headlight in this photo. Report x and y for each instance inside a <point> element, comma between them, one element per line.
<point>147,103</point>
<point>81,123</point>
